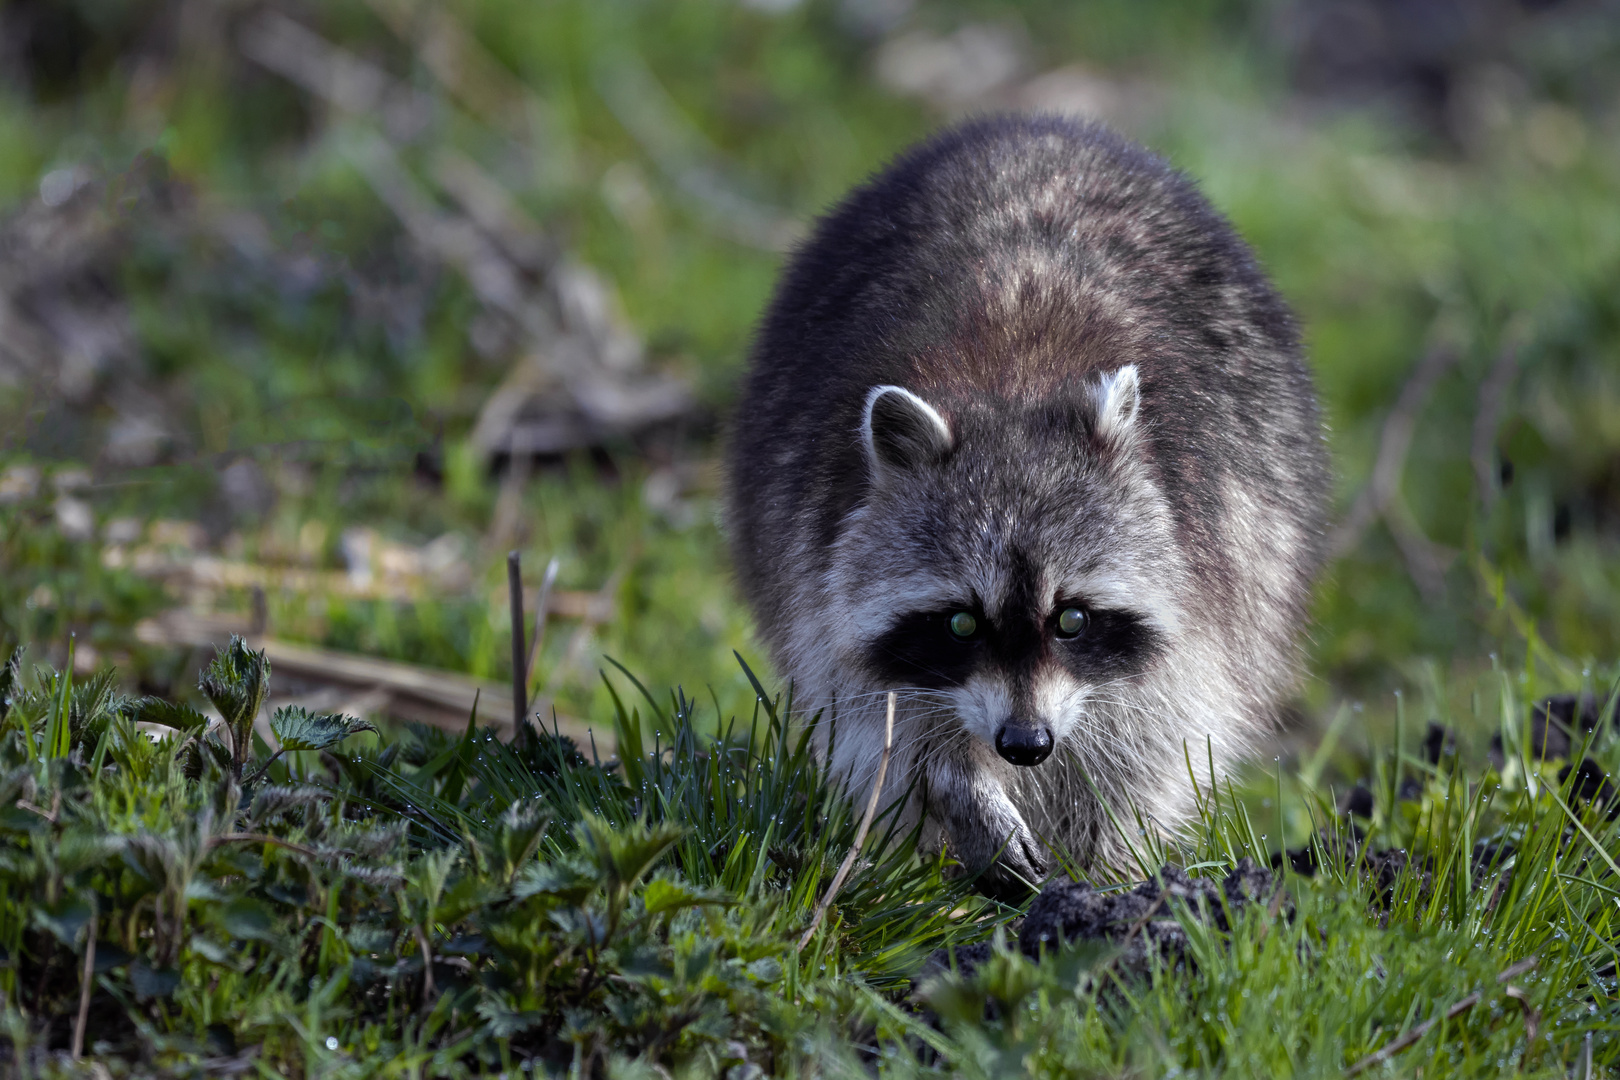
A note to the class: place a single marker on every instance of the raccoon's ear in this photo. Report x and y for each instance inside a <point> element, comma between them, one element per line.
<point>902,431</point>
<point>1117,396</point>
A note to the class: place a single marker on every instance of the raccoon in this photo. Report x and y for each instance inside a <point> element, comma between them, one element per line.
<point>1028,438</point>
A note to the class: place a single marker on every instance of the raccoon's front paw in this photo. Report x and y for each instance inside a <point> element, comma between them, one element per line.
<point>989,837</point>
<point>1017,871</point>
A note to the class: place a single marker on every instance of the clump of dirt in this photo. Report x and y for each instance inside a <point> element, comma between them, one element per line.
<point>1145,920</point>
<point>1148,919</point>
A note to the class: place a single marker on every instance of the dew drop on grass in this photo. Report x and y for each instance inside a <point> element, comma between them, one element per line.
<point>331,1042</point>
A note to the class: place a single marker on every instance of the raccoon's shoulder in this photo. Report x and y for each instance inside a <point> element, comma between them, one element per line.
<point>1012,223</point>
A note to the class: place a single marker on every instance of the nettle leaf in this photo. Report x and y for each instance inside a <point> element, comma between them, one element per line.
<point>464,897</point>
<point>169,714</point>
<point>248,919</point>
<point>150,983</point>
<point>65,920</point>
<point>298,729</point>
<point>10,677</point>
<point>663,895</point>
<point>623,855</point>
<point>567,883</point>
<point>110,956</point>
<point>503,1020</point>
<point>80,848</point>
<point>236,681</point>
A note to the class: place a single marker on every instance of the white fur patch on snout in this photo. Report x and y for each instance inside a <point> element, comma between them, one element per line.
<point>983,704</point>
<point>1117,397</point>
<point>1059,697</point>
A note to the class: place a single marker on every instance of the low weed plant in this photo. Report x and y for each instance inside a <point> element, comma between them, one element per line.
<point>180,898</point>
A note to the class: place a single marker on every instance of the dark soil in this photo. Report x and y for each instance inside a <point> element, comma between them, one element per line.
<point>1145,921</point>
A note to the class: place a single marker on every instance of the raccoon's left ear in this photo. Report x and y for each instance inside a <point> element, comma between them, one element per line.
<point>1117,396</point>
<point>901,431</point>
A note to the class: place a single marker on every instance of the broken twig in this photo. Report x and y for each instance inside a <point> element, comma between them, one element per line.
<point>1390,1049</point>
<point>86,982</point>
<point>541,612</point>
<point>1487,418</point>
<point>860,833</point>
<point>1393,444</point>
<point>520,654</point>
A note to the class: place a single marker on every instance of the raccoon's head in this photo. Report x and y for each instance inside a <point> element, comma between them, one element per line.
<point>1013,561</point>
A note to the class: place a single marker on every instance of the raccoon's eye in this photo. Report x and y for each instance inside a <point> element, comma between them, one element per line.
<point>963,624</point>
<point>1071,621</point>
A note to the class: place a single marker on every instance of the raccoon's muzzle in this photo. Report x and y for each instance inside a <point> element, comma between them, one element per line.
<point>1024,744</point>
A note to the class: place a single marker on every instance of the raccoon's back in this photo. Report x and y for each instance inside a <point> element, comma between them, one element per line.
<point>1003,262</point>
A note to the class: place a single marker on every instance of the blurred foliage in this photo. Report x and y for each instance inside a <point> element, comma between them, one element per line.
<point>283,317</point>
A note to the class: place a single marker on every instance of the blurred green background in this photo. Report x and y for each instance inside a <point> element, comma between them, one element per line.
<point>341,301</point>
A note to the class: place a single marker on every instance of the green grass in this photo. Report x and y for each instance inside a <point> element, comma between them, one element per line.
<point>282,912</point>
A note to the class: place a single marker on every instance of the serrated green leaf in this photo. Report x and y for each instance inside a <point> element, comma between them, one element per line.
<point>150,984</point>
<point>624,855</point>
<point>663,895</point>
<point>298,729</point>
<point>170,714</point>
<point>9,676</point>
<point>564,882</point>
<point>248,919</point>
<point>65,920</point>
<point>236,682</point>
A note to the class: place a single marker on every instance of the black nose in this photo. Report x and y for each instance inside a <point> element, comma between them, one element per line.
<point>1024,745</point>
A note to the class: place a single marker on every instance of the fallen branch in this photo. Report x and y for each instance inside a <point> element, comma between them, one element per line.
<point>1393,444</point>
<point>541,608</point>
<point>261,838</point>
<point>86,982</point>
<point>860,833</point>
<point>640,103</point>
<point>443,699</point>
<point>1389,1050</point>
<point>1527,964</point>
<point>1394,1047</point>
<point>1487,418</point>
<point>520,654</point>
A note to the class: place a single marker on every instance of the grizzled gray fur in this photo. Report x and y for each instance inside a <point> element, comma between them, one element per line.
<point>1028,437</point>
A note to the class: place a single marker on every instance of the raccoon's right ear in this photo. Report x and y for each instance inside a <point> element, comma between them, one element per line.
<point>901,431</point>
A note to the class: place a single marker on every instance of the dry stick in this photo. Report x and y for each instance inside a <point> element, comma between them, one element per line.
<point>1273,909</point>
<point>1486,420</point>
<point>427,965</point>
<point>260,838</point>
<point>1532,1015</point>
<point>860,834</point>
<point>1425,560</point>
<point>542,611</point>
<point>85,984</point>
<point>645,109</point>
<point>599,611</point>
<point>1393,444</point>
<point>1527,964</point>
<point>520,655</point>
<point>1381,497</point>
<point>1389,1050</point>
